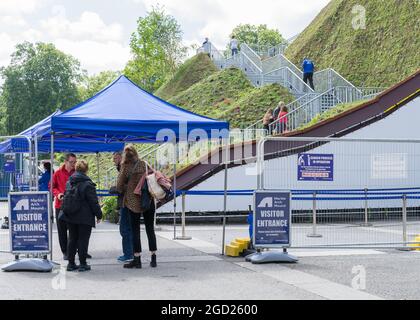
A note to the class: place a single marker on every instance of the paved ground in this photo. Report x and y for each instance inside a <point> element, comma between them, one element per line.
<point>195,269</point>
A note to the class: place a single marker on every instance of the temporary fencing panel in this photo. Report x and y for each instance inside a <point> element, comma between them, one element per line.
<point>346,192</point>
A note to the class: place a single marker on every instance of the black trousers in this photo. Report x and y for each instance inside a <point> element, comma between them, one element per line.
<point>62,232</point>
<point>79,235</point>
<point>149,219</point>
<point>310,77</point>
<point>267,128</point>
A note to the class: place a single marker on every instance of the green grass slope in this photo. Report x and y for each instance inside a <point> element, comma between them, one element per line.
<point>383,53</point>
<point>192,71</point>
<point>228,95</point>
<point>252,106</point>
<point>215,94</point>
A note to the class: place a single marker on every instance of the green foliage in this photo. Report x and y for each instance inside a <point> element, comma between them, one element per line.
<point>255,36</point>
<point>192,71</point>
<point>252,106</point>
<point>3,116</point>
<point>39,80</point>
<point>383,53</point>
<point>215,94</point>
<point>157,49</point>
<point>93,84</point>
<point>110,210</point>
<point>330,113</point>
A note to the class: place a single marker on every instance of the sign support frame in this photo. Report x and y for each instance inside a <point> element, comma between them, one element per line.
<point>262,256</point>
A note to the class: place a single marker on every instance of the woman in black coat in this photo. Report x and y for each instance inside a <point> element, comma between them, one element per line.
<point>81,221</point>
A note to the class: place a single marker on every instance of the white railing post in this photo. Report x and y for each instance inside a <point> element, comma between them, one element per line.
<point>404,219</point>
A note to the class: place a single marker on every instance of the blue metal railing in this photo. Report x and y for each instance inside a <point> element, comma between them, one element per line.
<point>348,194</point>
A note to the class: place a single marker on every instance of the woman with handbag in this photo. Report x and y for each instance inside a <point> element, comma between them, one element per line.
<point>132,170</point>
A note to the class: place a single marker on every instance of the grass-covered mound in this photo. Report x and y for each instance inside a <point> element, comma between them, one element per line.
<point>228,95</point>
<point>192,71</point>
<point>252,106</point>
<point>382,54</point>
<point>215,94</point>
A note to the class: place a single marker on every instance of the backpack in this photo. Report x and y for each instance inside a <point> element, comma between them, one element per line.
<point>72,200</point>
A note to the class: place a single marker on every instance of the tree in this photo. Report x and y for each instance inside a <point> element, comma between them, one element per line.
<point>257,36</point>
<point>3,116</point>
<point>157,49</point>
<point>39,80</point>
<point>93,84</point>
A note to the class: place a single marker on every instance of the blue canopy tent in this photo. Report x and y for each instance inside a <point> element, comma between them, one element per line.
<point>124,112</point>
<point>40,132</point>
<point>37,139</point>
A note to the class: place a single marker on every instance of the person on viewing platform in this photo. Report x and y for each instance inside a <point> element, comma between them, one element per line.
<point>125,222</point>
<point>82,220</point>
<point>282,118</point>
<point>60,178</point>
<point>207,47</point>
<point>234,46</point>
<point>132,171</point>
<point>308,72</point>
<point>44,180</point>
<point>267,119</point>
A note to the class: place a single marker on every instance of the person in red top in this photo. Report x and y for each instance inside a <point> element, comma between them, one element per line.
<point>282,118</point>
<point>60,178</point>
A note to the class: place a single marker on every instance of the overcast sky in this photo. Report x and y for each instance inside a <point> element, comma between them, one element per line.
<point>97,32</point>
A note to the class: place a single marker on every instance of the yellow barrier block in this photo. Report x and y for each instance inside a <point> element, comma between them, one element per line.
<point>232,250</point>
<point>246,241</point>
<point>241,245</point>
<point>416,245</point>
<point>243,240</point>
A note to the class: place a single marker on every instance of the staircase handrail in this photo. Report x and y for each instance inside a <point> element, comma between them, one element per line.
<point>287,105</point>
<point>245,48</point>
<point>252,62</point>
<point>301,107</point>
<point>335,73</point>
<point>293,73</point>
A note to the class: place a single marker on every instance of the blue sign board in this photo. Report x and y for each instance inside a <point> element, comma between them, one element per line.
<point>29,222</point>
<point>315,167</point>
<point>9,164</point>
<point>272,219</point>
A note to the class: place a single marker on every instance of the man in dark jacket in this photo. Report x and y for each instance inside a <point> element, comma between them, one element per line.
<point>125,222</point>
<point>308,72</point>
<point>81,222</point>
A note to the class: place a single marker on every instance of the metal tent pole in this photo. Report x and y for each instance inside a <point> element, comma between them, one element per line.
<point>36,164</point>
<point>175,158</point>
<point>51,194</point>
<point>30,165</point>
<point>97,170</point>
<point>225,195</point>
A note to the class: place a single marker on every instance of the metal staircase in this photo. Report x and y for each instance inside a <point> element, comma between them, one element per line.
<point>271,66</point>
<point>267,66</point>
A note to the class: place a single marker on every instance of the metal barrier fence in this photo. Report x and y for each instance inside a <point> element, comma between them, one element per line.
<point>344,189</point>
<point>362,227</point>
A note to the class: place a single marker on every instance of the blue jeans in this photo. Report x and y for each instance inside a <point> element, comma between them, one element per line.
<point>126,233</point>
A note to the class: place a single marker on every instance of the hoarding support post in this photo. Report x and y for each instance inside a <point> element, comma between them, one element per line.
<point>314,234</point>
<point>366,223</point>
<point>183,236</point>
